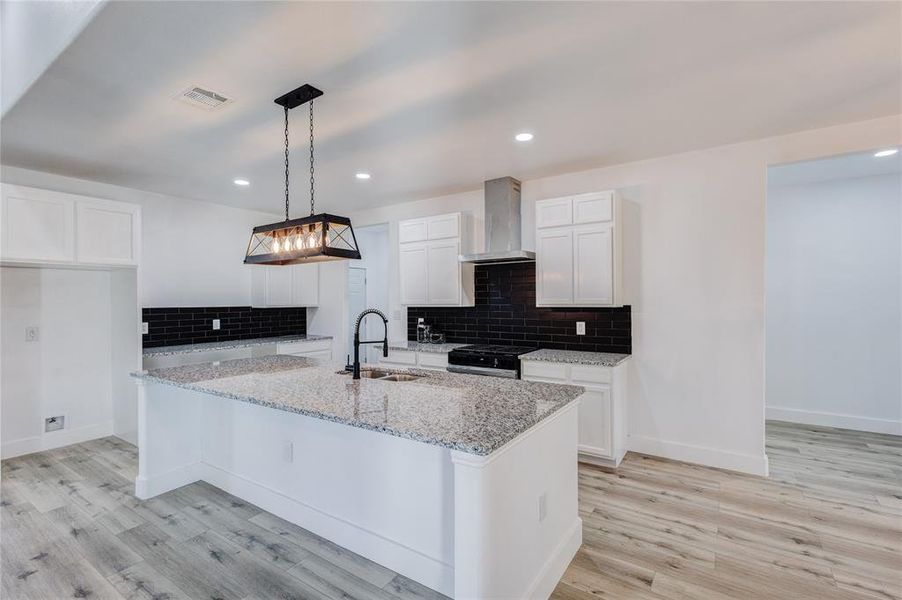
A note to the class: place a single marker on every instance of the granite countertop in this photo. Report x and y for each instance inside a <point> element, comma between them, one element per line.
<point>471,413</point>
<point>602,359</point>
<point>228,345</point>
<point>421,347</point>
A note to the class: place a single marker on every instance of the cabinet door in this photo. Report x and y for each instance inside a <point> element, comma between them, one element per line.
<point>554,267</point>
<point>443,272</point>
<point>106,234</point>
<point>37,225</point>
<point>554,212</point>
<point>444,226</point>
<point>595,423</point>
<point>412,265</point>
<point>593,208</point>
<point>413,230</point>
<point>306,285</point>
<point>593,251</point>
<point>278,286</point>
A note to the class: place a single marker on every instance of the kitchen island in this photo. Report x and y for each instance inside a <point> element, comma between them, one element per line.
<point>463,483</point>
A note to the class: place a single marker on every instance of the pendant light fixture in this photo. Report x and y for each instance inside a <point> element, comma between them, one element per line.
<point>317,238</point>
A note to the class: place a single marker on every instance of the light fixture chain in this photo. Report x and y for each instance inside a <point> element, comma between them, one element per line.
<point>311,157</point>
<point>286,163</point>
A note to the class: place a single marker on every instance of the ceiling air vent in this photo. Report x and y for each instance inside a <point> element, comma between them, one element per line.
<point>198,96</point>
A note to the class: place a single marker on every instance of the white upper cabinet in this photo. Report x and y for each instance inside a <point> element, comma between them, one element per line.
<point>47,227</point>
<point>413,273</point>
<point>578,241</point>
<point>290,285</point>
<point>430,271</point>
<point>554,267</point>
<point>107,233</point>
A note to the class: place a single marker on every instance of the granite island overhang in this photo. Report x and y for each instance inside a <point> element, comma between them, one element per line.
<point>466,484</point>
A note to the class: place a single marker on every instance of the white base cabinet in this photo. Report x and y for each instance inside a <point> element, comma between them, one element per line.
<point>578,251</point>
<point>318,349</point>
<point>602,410</point>
<point>437,361</point>
<point>290,285</point>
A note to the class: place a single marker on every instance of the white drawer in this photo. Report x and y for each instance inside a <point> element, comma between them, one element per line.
<point>303,347</point>
<point>544,371</point>
<point>590,375</point>
<point>433,360</point>
<point>317,355</point>
<point>401,357</point>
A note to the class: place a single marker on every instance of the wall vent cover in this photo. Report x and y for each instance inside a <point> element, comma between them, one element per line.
<point>203,98</point>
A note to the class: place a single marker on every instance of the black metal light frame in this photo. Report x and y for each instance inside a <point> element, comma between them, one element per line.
<point>316,238</point>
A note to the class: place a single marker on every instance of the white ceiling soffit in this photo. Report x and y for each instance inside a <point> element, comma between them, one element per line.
<point>845,166</point>
<point>427,96</point>
<point>33,35</point>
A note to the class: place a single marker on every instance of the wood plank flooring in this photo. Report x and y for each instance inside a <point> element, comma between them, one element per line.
<point>826,524</point>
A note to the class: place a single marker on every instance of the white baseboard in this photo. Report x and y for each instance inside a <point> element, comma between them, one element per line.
<point>709,457</point>
<point>409,562</point>
<point>148,487</point>
<point>551,572</point>
<point>826,419</point>
<point>55,439</point>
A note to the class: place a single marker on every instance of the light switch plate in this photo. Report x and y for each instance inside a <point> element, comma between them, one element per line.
<point>580,328</point>
<point>215,323</point>
<point>32,334</point>
<point>145,328</point>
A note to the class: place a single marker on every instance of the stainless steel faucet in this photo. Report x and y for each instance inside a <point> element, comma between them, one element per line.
<point>357,341</point>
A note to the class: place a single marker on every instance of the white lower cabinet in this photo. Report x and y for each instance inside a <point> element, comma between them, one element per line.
<point>318,349</point>
<point>410,358</point>
<point>602,416</point>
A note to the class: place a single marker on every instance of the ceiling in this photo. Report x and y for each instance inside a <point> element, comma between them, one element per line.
<point>428,96</point>
<point>844,166</point>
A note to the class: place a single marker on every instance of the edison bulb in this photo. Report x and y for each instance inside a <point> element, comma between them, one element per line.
<point>299,242</point>
<point>275,246</point>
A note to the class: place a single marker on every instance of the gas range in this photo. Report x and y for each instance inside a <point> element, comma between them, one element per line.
<point>485,359</point>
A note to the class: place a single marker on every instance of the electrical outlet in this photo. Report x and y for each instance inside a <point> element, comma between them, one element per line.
<point>54,423</point>
<point>580,328</point>
<point>145,328</point>
<point>543,506</point>
<point>215,323</point>
<point>31,334</point>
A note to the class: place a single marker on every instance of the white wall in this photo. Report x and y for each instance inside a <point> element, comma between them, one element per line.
<point>695,273</point>
<point>192,252</point>
<point>68,370</point>
<point>834,303</point>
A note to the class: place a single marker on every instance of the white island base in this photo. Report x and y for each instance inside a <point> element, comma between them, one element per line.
<point>505,525</point>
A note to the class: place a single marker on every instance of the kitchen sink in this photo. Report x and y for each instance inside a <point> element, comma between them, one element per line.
<point>399,377</point>
<point>385,375</point>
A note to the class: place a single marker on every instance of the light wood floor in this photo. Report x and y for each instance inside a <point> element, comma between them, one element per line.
<point>827,524</point>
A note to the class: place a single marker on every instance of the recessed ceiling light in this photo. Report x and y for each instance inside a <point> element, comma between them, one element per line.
<point>362,175</point>
<point>523,137</point>
<point>889,152</point>
<point>241,182</point>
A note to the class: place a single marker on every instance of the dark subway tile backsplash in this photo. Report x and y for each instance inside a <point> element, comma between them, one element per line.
<point>506,313</point>
<point>193,325</point>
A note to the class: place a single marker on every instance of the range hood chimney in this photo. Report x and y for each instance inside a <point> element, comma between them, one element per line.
<point>502,225</point>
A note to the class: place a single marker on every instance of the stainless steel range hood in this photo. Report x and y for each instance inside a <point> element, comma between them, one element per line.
<point>502,225</point>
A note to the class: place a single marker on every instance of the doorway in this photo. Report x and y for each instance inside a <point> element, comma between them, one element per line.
<point>833,323</point>
<point>368,288</point>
